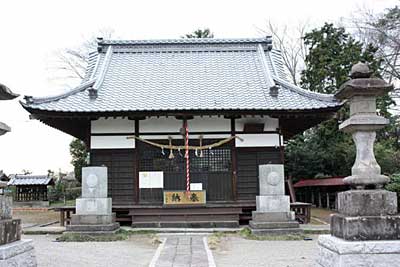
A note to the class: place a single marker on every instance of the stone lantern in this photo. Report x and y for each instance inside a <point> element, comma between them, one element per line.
<point>366,231</point>
<point>14,251</point>
<point>5,94</point>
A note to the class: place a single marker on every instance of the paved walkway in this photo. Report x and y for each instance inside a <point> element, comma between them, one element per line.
<point>183,251</point>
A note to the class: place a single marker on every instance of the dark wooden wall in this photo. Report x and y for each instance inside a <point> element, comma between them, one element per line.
<point>121,173</point>
<point>213,170</point>
<point>248,160</point>
<point>216,178</point>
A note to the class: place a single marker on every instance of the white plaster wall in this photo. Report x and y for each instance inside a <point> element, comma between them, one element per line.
<point>258,140</point>
<point>156,125</point>
<point>198,124</point>
<point>191,136</point>
<point>207,124</point>
<point>270,124</point>
<point>109,142</point>
<point>111,125</point>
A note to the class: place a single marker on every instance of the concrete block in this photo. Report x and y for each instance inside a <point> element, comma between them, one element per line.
<point>365,227</point>
<point>273,225</point>
<point>336,252</point>
<point>281,231</point>
<point>271,179</point>
<point>273,203</point>
<point>92,219</point>
<point>94,182</point>
<point>273,216</point>
<point>19,254</point>
<point>367,203</point>
<point>89,228</point>
<point>5,207</point>
<point>93,206</point>
<point>10,231</point>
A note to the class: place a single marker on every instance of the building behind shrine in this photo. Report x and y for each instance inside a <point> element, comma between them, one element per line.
<point>232,93</point>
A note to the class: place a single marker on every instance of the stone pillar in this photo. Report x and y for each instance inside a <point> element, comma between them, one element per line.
<point>273,215</point>
<point>366,231</point>
<point>13,250</point>
<point>93,209</point>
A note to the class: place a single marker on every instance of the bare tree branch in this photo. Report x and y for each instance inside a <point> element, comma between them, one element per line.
<point>383,31</point>
<point>69,65</point>
<point>290,43</point>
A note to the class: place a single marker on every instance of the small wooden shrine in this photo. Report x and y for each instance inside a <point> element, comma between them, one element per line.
<point>30,187</point>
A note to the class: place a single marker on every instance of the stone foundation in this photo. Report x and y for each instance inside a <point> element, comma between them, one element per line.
<point>94,209</point>
<point>336,252</point>
<point>18,254</point>
<point>367,202</point>
<point>383,227</point>
<point>5,207</point>
<point>93,206</point>
<point>92,219</point>
<point>273,203</point>
<point>93,228</point>
<point>10,231</point>
<point>273,215</point>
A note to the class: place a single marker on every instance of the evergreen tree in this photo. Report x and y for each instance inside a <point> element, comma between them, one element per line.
<point>79,155</point>
<point>324,150</point>
<point>200,33</point>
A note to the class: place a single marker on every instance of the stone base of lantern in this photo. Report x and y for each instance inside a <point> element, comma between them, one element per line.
<point>19,254</point>
<point>337,252</point>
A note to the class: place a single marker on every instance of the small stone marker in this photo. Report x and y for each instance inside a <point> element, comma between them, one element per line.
<point>273,215</point>
<point>13,250</point>
<point>366,231</point>
<point>94,209</point>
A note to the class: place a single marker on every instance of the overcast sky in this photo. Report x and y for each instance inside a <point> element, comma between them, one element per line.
<point>30,32</point>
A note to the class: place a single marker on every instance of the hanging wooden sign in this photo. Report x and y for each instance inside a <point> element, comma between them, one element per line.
<point>182,198</point>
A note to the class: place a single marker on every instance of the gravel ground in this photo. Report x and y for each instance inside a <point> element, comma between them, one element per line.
<point>137,251</point>
<point>239,252</point>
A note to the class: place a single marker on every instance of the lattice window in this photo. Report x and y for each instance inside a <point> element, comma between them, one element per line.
<point>214,160</point>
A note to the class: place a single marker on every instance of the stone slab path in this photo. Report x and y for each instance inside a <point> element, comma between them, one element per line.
<point>183,251</point>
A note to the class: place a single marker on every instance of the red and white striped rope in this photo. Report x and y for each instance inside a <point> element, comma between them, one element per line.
<point>187,158</point>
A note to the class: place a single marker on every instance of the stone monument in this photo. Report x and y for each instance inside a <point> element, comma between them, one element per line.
<point>366,231</point>
<point>13,250</point>
<point>93,209</point>
<point>273,215</point>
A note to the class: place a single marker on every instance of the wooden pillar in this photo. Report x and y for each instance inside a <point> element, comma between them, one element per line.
<point>281,148</point>
<point>312,197</point>
<point>234,160</point>
<point>137,163</point>
<point>327,200</point>
<point>319,199</point>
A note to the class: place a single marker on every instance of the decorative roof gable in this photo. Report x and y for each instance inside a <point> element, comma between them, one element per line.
<point>184,75</point>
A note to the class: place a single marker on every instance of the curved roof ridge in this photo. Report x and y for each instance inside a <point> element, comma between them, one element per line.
<point>6,93</point>
<point>266,39</point>
<point>315,95</point>
<point>41,100</point>
<point>103,69</point>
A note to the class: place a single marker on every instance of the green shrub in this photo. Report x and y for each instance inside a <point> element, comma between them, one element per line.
<point>394,185</point>
<point>73,193</point>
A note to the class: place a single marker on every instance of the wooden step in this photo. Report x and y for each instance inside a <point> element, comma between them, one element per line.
<point>185,211</point>
<point>189,224</point>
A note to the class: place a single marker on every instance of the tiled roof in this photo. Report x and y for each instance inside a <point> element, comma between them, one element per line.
<point>6,94</point>
<point>333,181</point>
<point>30,180</point>
<point>184,74</point>
<point>4,128</point>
